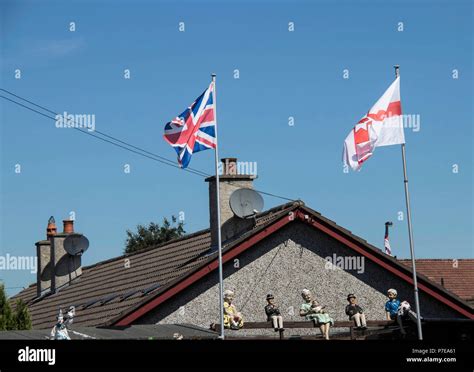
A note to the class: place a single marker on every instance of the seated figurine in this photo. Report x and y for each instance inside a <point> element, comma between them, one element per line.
<point>232,318</point>
<point>355,312</point>
<point>311,310</point>
<point>391,306</point>
<point>273,314</point>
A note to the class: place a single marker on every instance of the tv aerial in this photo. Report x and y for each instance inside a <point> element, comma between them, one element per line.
<point>246,203</point>
<point>76,244</point>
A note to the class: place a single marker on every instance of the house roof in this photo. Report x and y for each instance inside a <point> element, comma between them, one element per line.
<point>110,288</point>
<point>456,275</point>
<point>297,211</point>
<point>109,293</point>
<point>134,332</point>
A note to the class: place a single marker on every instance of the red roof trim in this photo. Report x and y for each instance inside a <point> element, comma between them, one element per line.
<point>128,319</point>
<point>139,312</point>
<point>385,265</point>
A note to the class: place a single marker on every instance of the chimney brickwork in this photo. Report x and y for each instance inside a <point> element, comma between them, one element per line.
<point>231,226</point>
<point>43,273</point>
<point>56,267</point>
<point>43,253</point>
<point>66,267</point>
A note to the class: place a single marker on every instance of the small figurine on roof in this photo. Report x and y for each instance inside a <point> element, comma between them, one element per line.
<point>232,318</point>
<point>59,331</point>
<point>355,312</point>
<point>391,306</point>
<point>405,312</point>
<point>311,310</point>
<point>403,309</point>
<point>273,314</point>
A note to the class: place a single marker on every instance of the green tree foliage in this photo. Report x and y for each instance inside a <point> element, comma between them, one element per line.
<point>13,321</point>
<point>22,316</point>
<point>6,318</point>
<point>153,234</point>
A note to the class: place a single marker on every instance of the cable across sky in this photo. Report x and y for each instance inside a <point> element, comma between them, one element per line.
<point>118,142</point>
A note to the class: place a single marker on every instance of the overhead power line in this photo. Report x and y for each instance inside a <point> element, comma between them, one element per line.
<point>120,143</point>
<point>144,153</point>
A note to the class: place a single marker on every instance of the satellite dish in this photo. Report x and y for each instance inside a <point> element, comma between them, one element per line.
<point>246,202</point>
<point>76,244</point>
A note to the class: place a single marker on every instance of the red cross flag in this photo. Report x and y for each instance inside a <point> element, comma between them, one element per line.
<point>382,126</point>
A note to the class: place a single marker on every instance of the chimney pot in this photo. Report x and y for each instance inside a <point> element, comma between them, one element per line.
<point>229,166</point>
<point>68,226</point>
<point>51,229</point>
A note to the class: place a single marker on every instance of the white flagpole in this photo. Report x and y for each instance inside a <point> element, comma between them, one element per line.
<point>219,243</point>
<point>410,234</point>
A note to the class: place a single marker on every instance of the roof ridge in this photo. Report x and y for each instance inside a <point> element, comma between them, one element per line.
<point>437,259</point>
<point>280,207</point>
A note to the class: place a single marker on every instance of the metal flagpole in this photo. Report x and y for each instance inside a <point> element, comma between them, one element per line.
<point>410,234</point>
<point>216,153</point>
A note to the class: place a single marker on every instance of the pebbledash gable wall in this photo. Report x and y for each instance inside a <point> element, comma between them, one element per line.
<point>289,260</point>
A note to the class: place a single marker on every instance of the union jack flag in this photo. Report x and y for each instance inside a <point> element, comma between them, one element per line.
<point>194,129</point>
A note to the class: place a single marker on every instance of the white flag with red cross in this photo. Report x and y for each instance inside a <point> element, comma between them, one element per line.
<point>381,126</point>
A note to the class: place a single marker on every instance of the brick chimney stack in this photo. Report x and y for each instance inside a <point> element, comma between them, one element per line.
<point>230,180</point>
<point>43,253</point>
<point>56,267</point>
<point>65,267</point>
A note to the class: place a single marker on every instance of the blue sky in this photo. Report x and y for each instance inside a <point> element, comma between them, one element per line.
<point>282,74</point>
